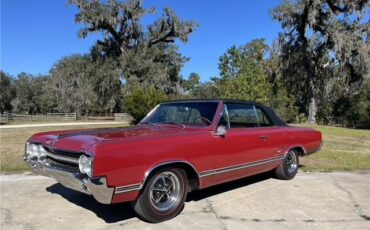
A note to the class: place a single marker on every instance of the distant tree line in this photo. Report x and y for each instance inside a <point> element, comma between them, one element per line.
<point>317,70</point>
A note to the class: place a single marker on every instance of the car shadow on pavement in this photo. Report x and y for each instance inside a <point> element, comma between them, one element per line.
<point>119,212</point>
<point>109,213</point>
<point>229,186</point>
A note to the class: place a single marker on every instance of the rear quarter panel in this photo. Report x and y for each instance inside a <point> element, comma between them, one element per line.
<point>307,138</point>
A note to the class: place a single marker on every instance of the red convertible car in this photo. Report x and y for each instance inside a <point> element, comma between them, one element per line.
<point>180,146</point>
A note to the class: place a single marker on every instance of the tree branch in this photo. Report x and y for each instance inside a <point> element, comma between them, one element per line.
<point>336,8</point>
<point>112,31</point>
<point>167,38</point>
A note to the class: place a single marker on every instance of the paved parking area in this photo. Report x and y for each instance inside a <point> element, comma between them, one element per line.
<point>310,201</point>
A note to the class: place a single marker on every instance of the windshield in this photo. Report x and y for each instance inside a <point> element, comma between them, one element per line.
<point>183,113</point>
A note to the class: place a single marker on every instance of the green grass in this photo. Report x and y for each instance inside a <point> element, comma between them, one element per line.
<point>12,144</point>
<point>343,150</point>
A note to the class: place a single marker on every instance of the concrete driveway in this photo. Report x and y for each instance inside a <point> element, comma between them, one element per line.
<point>310,201</point>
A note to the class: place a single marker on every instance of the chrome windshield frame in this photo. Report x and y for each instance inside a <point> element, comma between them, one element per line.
<point>191,125</point>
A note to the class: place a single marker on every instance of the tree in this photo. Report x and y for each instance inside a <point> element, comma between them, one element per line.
<point>283,103</point>
<point>319,37</point>
<point>29,90</point>
<point>206,90</point>
<point>353,110</point>
<point>7,92</point>
<point>191,83</point>
<point>24,94</point>
<point>141,100</point>
<point>120,23</point>
<point>194,88</point>
<point>106,82</point>
<point>358,114</point>
<point>72,85</point>
<point>146,55</point>
<point>82,85</point>
<point>157,66</point>
<point>241,73</point>
<point>46,102</point>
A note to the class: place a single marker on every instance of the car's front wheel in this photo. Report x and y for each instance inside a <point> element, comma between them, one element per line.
<point>163,196</point>
<point>289,167</point>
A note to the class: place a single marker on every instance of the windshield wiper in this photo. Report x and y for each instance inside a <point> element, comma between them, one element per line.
<point>173,123</point>
<point>149,123</point>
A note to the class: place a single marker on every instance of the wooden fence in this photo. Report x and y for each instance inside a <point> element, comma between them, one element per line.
<point>4,118</point>
<point>9,117</point>
<point>123,117</point>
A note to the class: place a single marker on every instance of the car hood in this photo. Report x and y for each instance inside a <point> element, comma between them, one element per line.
<point>85,140</point>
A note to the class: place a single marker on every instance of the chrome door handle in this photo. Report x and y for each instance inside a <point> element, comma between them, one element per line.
<point>264,138</point>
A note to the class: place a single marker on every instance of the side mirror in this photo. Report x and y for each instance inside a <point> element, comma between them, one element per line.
<point>221,130</point>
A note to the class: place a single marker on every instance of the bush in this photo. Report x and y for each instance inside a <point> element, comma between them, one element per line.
<point>353,110</point>
<point>141,100</point>
<point>324,114</point>
<point>358,114</point>
<point>283,104</point>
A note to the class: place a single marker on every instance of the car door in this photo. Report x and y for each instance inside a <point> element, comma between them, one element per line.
<point>244,148</point>
<point>275,136</point>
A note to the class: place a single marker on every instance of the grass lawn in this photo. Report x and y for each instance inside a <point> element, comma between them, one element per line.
<point>343,150</point>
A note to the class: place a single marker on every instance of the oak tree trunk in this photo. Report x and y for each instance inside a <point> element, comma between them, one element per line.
<point>312,106</point>
<point>312,110</point>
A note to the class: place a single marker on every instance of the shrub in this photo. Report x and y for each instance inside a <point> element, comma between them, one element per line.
<point>140,101</point>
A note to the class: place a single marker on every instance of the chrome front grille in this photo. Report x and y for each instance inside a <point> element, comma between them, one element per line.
<point>64,160</point>
<point>62,166</point>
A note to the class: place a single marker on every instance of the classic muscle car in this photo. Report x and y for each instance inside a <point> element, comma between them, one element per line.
<point>180,146</point>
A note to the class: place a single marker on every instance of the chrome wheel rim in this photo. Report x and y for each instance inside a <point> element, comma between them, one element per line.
<point>291,162</point>
<point>165,192</point>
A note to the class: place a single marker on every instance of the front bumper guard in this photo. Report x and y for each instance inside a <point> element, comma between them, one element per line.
<point>96,187</point>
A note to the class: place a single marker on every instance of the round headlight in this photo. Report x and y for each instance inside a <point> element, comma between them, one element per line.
<point>41,152</point>
<point>85,165</point>
<point>31,151</point>
<point>28,148</point>
<point>34,151</point>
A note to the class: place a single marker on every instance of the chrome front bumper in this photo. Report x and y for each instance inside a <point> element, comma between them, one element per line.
<point>97,187</point>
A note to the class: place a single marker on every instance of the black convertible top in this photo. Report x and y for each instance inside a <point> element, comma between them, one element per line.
<point>269,112</point>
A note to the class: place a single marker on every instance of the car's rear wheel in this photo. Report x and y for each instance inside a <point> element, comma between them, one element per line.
<point>289,167</point>
<point>163,196</point>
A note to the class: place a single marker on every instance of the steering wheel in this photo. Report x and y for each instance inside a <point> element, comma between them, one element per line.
<point>203,119</point>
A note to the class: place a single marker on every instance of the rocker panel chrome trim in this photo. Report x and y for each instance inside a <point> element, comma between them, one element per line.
<point>128,188</point>
<point>239,167</point>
